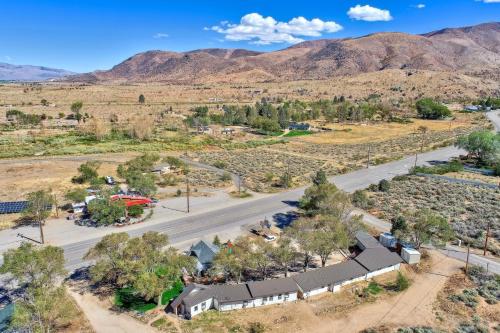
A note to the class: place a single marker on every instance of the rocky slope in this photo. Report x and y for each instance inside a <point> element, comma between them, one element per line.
<point>472,50</point>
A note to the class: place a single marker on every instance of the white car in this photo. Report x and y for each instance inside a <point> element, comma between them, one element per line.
<point>269,238</point>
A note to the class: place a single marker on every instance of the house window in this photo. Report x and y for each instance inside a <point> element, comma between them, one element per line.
<point>203,306</point>
<point>286,297</point>
<point>264,299</point>
<point>279,297</point>
<point>195,308</point>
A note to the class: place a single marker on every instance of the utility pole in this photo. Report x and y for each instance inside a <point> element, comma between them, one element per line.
<point>42,238</point>
<point>187,192</point>
<point>486,238</point>
<point>239,184</point>
<point>467,261</point>
<point>416,158</point>
<point>55,204</point>
<point>368,161</point>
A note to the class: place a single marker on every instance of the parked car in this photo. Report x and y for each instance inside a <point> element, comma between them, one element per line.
<point>269,238</point>
<point>110,180</point>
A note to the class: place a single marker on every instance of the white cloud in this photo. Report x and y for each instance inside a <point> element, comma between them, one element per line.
<point>266,30</point>
<point>369,13</point>
<point>160,35</point>
<point>7,58</point>
<point>420,6</point>
<point>491,1</point>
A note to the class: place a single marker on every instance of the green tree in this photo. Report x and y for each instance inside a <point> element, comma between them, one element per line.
<point>427,108</point>
<point>38,267</point>
<point>39,208</point>
<point>111,264</point>
<point>135,211</point>
<point>284,254</point>
<point>142,99</point>
<point>76,195</point>
<point>44,305</point>
<point>320,178</point>
<point>105,211</point>
<point>43,311</point>
<point>384,185</point>
<point>316,196</point>
<point>361,200</point>
<point>301,231</point>
<point>216,241</point>
<point>142,263</point>
<point>483,145</point>
<point>76,108</point>
<point>425,226</point>
<point>88,172</point>
<point>230,264</point>
<point>399,226</point>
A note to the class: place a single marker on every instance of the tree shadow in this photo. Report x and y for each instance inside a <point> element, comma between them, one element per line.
<point>283,220</point>
<point>292,203</point>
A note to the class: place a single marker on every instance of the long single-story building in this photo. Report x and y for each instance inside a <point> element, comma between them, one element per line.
<point>330,278</point>
<point>373,260</point>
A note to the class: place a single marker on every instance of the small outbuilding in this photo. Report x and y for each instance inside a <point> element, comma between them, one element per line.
<point>388,240</point>
<point>411,256</point>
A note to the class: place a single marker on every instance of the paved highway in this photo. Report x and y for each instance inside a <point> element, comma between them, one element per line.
<point>196,226</point>
<point>193,227</point>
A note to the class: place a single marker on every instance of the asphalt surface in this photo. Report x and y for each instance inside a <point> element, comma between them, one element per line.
<point>279,206</point>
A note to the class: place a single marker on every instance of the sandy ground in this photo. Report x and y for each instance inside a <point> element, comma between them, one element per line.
<point>105,321</point>
<point>413,307</point>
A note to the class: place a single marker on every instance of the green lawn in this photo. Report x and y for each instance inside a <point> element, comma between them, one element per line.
<point>293,133</point>
<point>127,298</point>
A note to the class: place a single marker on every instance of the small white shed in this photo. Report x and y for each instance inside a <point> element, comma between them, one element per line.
<point>411,256</point>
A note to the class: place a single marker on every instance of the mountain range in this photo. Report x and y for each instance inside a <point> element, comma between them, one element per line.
<point>10,72</point>
<point>471,50</point>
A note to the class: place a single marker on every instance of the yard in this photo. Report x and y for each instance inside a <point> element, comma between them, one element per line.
<point>469,208</point>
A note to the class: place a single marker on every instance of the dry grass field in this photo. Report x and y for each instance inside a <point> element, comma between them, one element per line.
<point>106,99</point>
<point>469,208</point>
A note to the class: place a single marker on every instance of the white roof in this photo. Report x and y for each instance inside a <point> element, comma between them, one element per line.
<point>411,251</point>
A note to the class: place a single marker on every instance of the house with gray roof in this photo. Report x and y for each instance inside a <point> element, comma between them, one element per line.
<point>330,278</point>
<point>379,261</point>
<point>374,260</point>
<point>366,241</point>
<point>204,253</point>
<point>273,291</point>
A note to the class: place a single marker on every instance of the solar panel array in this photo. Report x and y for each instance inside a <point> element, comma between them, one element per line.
<point>12,207</point>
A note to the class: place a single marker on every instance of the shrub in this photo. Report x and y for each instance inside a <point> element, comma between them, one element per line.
<point>361,200</point>
<point>427,108</point>
<point>135,211</point>
<point>256,327</point>
<point>384,185</point>
<point>402,283</point>
<point>220,164</point>
<point>225,177</point>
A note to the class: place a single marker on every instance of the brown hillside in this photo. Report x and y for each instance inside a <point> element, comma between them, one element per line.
<point>472,50</point>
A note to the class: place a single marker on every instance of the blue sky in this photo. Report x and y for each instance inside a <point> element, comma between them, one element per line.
<point>97,34</point>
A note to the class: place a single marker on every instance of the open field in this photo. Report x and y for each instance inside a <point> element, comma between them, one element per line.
<point>469,208</point>
<point>122,99</point>
<point>338,151</point>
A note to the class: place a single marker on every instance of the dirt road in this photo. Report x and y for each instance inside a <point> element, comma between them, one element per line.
<point>105,321</point>
<point>411,308</point>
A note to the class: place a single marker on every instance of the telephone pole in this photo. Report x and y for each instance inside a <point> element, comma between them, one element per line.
<point>467,261</point>
<point>187,192</point>
<point>368,161</point>
<point>42,238</point>
<point>486,238</point>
